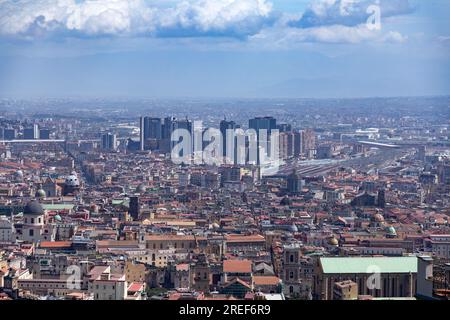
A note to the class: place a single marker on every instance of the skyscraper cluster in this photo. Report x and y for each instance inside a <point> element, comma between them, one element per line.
<point>156,135</point>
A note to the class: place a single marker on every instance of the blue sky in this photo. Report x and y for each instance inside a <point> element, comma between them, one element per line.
<point>223,48</point>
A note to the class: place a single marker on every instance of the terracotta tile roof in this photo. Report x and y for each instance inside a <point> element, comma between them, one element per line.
<point>135,287</point>
<point>240,281</point>
<point>266,280</point>
<point>237,266</point>
<point>97,271</point>
<point>56,244</point>
<point>240,238</point>
<point>182,267</point>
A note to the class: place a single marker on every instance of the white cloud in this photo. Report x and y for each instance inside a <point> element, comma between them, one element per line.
<point>335,34</point>
<point>216,17</point>
<point>345,21</point>
<point>393,36</point>
<point>133,17</point>
<point>328,21</point>
<point>348,12</point>
<point>443,39</point>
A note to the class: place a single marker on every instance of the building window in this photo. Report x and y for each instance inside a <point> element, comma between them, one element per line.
<point>32,220</point>
<point>291,258</point>
<point>31,232</point>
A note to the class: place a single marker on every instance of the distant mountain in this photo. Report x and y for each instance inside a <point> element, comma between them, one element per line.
<point>333,87</point>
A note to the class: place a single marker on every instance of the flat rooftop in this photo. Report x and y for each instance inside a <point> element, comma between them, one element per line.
<point>347,265</point>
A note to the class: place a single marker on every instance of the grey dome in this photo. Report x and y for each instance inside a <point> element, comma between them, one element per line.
<point>72,181</point>
<point>33,208</point>
<point>40,194</point>
<point>391,231</point>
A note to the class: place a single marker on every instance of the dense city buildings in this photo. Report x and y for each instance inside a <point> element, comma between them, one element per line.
<point>94,207</point>
<point>224,158</point>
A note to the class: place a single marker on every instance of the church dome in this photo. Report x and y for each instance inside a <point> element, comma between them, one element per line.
<point>33,208</point>
<point>40,194</point>
<point>332,241</point>
<point>391,231</point>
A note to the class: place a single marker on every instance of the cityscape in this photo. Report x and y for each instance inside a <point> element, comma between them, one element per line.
<point>93,207</point>
<point>220,150</point>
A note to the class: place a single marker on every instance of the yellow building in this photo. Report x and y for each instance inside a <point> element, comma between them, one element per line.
<point>178,242</point>
<point>134,272</point>
<point>345,290</point>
